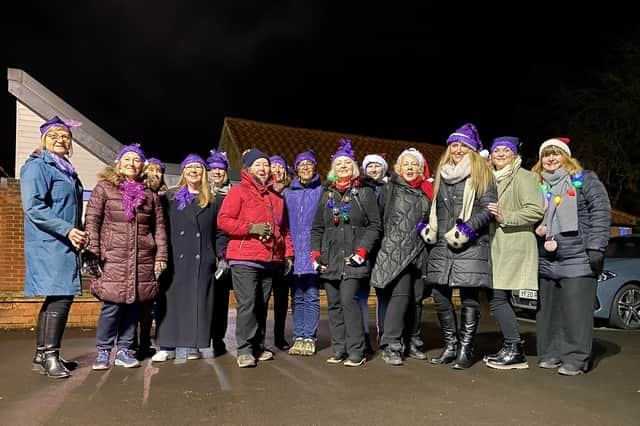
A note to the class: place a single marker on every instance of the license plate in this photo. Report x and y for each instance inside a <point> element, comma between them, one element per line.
<point>528,294</point>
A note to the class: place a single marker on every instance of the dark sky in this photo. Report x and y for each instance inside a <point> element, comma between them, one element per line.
<point>165,74</point>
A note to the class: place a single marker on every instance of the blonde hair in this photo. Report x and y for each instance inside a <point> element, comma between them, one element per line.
<point>43,143</point>
<point>481,173</point>
<point>332,173</point>
<point>570,164</point>
<point>397,167</point>
<point>205,196</point>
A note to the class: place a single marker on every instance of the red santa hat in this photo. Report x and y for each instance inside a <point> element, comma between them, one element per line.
<point>560,143</point>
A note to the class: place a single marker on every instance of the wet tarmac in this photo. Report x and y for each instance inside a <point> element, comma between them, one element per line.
<point>306,390</point>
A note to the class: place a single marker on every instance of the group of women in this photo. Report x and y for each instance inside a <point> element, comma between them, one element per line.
<point>480,223</point>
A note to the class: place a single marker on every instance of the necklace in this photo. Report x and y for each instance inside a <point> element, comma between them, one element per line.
<point>576,181</point>
<point>341,213</point>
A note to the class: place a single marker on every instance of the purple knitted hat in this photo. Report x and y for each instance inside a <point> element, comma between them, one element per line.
<point>193,158</point>
<point>155,161</point>
<point>276,159</point>
<point>134,147</point>
<point>345,150</point>
<point>468,135</point>
<point>55,121</point>
<point>218,160</point>
<point>309,155</point>
<point>510,142</point>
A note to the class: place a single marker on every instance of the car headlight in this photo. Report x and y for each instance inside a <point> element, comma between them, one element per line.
<point>605,275</point>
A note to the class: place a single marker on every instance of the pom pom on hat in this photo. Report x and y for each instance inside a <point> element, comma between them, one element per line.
<point>345,150</point>
<point>468,135</point>
<point>135,148</point>
<point>511,142</point>
<point>155,161</point>
<point>251,155</point>
<point>193,158</point>
<point>309,155</point>
<point>375,158</point>
<point>560,143</point>
<point>56,121</point>
<point>218,160</point>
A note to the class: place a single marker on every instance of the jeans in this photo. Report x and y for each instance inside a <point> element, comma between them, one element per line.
<point>305,293</point>
<point>117,320</point>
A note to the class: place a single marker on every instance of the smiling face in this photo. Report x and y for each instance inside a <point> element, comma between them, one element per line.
<point>58,141</point>
<point>343,167</point>
<point>278,172</point>
<point>501,157</point>
<point>409,167</point>
<point>552,159</point>
<point>374,171</point>
<point>219,176</point>
<point>458,151</point>
<point>192,174</point>
<point>306,171</point>
<point>261,170</point>
<point>130,166</point>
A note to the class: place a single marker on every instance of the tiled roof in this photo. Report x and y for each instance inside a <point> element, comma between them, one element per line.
<point>240,134</point>
<point>619,217</point>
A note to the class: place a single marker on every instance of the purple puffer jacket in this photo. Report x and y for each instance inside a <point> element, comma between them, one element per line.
<point>301,201</point>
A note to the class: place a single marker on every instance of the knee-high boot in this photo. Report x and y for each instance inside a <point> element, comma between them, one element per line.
<point>469,318</point>
<point>52,365</point>
<point>36,365</point>
<point>449,330</point>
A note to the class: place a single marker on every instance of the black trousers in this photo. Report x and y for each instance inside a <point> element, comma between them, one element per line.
<point>345,318</point>
<point>252,288</point>
<point>564,321</point>
<point>442,294</point>
<point>280,305</point>
<point>398,296</point>
<point>500,306</point>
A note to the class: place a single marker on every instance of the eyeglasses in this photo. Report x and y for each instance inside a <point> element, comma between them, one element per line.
<point>56,138</point>
<point>194,167</point>
<point>306,165</point>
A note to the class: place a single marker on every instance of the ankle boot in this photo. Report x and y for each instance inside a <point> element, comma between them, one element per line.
<point>36,364</point>
<point>512,358</point>
<point>470,317</point>
<point>52,365</point>
<point>449,327</point>
<point>497,355</point>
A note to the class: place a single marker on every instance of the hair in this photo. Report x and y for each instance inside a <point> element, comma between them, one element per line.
<point>163,184</point>
<point>226,177</point>
<point>481,174</point>
<point>43,143</point>
<point>332,173</point>
<point>397,166</point>
<point>570,164</point>
<point>205,196</point>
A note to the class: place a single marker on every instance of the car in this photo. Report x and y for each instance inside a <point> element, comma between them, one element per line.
<point>618,291</point>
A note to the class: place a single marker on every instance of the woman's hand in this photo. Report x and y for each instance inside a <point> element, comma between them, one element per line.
<point>496,211</point>
<point>159,266</point>
<point>78,238</point>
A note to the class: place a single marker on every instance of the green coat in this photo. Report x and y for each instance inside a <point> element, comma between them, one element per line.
<point>514,250</point>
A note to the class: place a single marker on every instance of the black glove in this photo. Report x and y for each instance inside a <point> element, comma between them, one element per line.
<point>320,262</point>
<point>596,260</point>
<point>262,230</point>
<point>288,265</point>
<point>222,268</point>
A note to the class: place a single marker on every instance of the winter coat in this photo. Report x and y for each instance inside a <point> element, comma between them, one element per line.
<point>185,302</point>
<point>335,242</point>
<point>301,201</point>
<point>570,260</point>
<point>247,203</point>
<point>514,250</point>
<point>402,208</point>
<point>52,204</point>
<point>468,266</point>
<point>127,250</point>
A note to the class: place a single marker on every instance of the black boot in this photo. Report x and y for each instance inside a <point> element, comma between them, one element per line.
<point>36,365</point>
<point>469,318</point>
<point>52,365</point>
<point>512,358</point>
<point>449,327</point>
<point>497,355</point>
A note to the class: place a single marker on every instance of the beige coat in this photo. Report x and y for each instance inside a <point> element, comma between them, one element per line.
<point>514,250</point>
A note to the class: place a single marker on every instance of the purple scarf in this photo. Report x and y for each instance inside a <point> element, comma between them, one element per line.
<point>63,165</point>
<point>132,197</point>
<point>184,197</point>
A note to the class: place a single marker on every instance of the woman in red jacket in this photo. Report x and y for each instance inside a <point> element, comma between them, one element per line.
<point>255,220</point>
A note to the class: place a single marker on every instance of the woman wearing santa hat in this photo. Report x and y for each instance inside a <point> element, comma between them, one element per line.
<point>572,238</point>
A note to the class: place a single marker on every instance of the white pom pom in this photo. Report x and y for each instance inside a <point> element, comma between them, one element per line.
<point>484,154</point>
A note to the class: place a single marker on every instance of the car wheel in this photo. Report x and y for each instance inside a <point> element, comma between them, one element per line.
<point>625,310</point>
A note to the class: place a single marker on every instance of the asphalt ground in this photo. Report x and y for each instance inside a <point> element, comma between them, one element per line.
<point>306,390</point>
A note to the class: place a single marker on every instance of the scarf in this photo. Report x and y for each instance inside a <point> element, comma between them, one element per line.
<point>561,204</point>
<point>341,184</point>
<point>452,174</point>
<point>63,164</point>
<point>508,171</point>
<point>184,197</point>
<point>132,197</point>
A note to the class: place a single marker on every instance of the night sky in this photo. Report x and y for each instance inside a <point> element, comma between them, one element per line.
<point>166,74</point>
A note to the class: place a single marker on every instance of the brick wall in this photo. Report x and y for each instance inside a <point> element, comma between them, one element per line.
<point>11,236</point>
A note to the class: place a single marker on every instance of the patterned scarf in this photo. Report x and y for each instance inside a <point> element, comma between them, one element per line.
<point>132,197</point>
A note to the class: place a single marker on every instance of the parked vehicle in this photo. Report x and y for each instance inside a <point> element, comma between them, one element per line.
<point>618,293</point>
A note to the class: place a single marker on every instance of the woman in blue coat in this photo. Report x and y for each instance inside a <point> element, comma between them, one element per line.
<point>52,202</point>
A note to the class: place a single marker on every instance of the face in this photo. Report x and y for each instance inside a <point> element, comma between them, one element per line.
<point>409,168</point>
<point>192,173</point>
<point>278,172</point>
<point>130,165</point>
<point>458,151</point>
<point>374,170</point>
<point>343,166</point>
<point>501,157</point>
<point>261,170</point>
<point>551,160</point>
<point>306,170</point>
<point>58,141</point>
<point>219,176</point>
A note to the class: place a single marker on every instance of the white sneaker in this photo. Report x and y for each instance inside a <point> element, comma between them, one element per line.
<point>162,356</point>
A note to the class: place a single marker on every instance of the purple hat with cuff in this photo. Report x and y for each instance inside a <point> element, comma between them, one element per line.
<point>510,142</point>
<point>308,155</point>
<point>276,159</point>
<point>155,161</point>
<point>135,148</point>
<point>56,121</point>
<point>468,135</point>
<point>193,158</point>
<point>218,160</point>
<point>345,150</point>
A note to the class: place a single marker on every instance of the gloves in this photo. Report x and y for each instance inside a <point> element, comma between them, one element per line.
<point>455,238</point>
<point>262,230</point>
<point>288,265</point>
<point>357,258</point>
<point>428,235</point>
<point>596,260</point>
<point>222,268</point>
<point>319,262</point>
